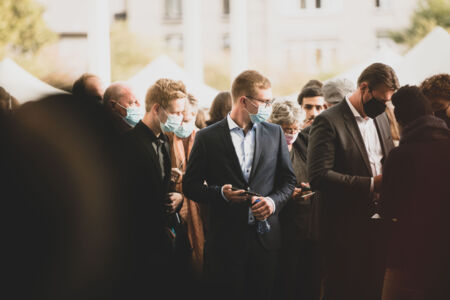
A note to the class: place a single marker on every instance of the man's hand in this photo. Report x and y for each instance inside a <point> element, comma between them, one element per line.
<point>176,175</point>
<point>173,202</point>
<point>307,122</point>
<point>234,196</point>
<point>263,209</point>
<point>297,193</point>
<point>377,180</point>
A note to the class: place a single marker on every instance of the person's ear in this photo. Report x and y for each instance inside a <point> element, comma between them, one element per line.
<point>111,103</point>
<point>363,87</point>
<point>156,108</point>
<point>242,100</point>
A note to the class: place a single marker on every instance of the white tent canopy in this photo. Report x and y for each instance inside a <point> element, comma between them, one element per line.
<point>164,67</point>
<point>21,84</point>
<point>429,57</point>
<point>384,54</point>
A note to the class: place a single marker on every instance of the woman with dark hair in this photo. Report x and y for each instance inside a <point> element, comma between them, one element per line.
<point>220,107</point>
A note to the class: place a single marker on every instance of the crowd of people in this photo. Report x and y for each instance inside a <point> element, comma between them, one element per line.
<point>342,195</point>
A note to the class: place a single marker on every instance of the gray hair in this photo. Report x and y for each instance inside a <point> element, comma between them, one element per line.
<point>334,90</point>
<point>285,112</point>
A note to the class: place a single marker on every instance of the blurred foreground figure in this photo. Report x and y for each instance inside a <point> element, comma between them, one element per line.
<point>7,103</point>
<point>76,228</point>
<point>416,196</point>
<point>88,87</point>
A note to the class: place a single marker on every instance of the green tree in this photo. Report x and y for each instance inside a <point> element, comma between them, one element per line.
<point>429,13</point>
<point>22,28</point>
<point>129,52</point>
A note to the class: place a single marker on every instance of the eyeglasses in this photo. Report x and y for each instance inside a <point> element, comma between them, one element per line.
<point>267,102</point>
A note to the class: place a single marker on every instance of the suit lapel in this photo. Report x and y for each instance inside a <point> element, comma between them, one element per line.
<point>228,143</point>
<point>384,134</point>
<point>151,151</point>
<point>258,149</point>
<point>352,127</point>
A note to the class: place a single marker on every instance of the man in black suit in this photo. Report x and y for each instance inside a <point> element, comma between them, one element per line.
<point>347,146</point>
<point>149,154</point>
<point>241,151</point>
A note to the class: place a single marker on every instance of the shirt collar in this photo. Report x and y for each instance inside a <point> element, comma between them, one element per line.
<point>352,108</point>
<point>232,125</point>
<point>162,137</point>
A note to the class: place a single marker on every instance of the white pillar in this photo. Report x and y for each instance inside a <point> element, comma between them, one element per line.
<point>238,37</point>
<point>192,40</point>
<point>99,57</point>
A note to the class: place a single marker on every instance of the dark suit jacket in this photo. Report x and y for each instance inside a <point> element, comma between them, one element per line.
<point>213,159</point>
<point>140,137</point>
<point>338,167</point>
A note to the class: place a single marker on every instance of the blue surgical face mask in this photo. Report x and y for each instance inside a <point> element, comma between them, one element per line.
<point>172,123</point>
<point>134,114</point>
<point>185,130</point>
<point>262,114</point>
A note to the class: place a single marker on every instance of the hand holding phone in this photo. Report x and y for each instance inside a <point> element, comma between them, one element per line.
<point>245,193</point>
<point>233,194</point>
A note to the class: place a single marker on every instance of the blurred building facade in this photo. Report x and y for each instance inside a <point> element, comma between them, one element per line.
<point>313,36</point>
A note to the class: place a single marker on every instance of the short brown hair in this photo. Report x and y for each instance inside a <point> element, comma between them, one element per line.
<point>220,107</point>
<point>247,83</point>
<point>436,87</point>
<point>163,91</point>
<point>378,74</point>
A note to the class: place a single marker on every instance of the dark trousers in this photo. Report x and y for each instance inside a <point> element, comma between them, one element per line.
<point>299,272</point>
<point>246,274</point>
<point>355,270</point>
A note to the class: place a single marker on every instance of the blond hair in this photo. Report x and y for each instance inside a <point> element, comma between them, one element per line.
<point>247,83</point>
<point>163,91</point>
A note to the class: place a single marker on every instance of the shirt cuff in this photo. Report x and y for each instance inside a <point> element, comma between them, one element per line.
<point>223,195</point>
<point>273,204</point>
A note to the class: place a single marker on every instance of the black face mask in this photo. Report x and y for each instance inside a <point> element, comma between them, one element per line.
<point>373,107</point>
<point>442,114</point>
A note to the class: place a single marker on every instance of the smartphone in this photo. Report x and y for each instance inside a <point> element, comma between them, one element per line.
<point>247,193</point>
<point>307,194</point>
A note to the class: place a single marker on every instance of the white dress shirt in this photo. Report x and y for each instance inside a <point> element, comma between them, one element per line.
<point>371,140</point>
<point>244,145</point>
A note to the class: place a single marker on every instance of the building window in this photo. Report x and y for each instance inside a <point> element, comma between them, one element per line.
<point>382,4</point>
<point>319,58</point>
<point>122,16</point>
<point>173,9</point>
<point>311,4</point>
<point>174,42</point>
<point>303,4</point>
<point>226,7</point>
<point>226,41</point>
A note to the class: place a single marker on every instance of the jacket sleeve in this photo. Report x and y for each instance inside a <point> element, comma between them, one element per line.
<point>194,186</point>
<point>285,176</point>
<point>321,161</point>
